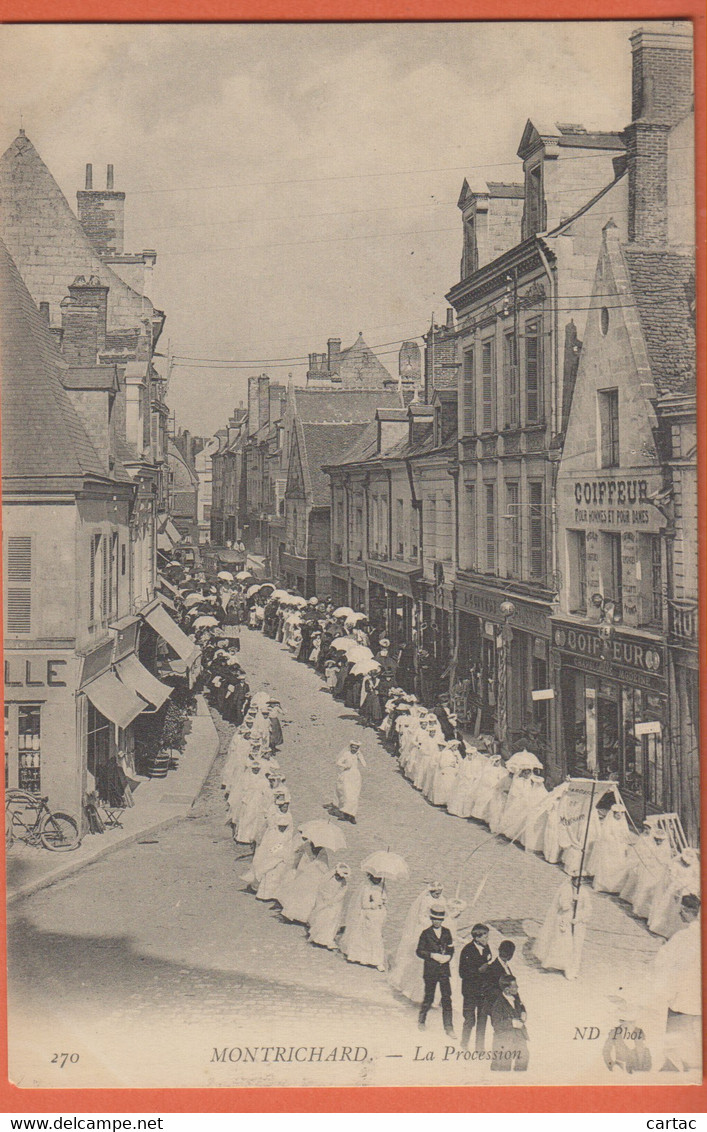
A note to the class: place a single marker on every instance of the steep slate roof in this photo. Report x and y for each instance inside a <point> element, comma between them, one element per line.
<point>663,285</point>
<point>319,444</point>
<point>42,434</point>
<point>359,364</point>
<point>104,378</point>
<point>342,406</point>
<point>48,243</point>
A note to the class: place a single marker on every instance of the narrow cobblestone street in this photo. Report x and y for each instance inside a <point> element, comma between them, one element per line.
<point>147,962</point>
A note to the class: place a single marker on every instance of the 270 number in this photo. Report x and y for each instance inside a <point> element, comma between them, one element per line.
<point>61,1059</point>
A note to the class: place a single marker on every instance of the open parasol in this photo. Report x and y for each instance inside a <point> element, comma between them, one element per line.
<point>343,611</point>
<point>383,863</point>
<point>523,760</point>
<point>323,834</point>
<point>193,599</point>
<point>365,667</point>
<point>252,590</point>
<point>360,652</point>
<point>344,643</point>
<point>225,576</point>
<point>243,575</point>
<point>354,618</point>
<point>206,622</point>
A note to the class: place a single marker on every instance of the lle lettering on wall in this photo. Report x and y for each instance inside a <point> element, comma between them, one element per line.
<point>33,672</point>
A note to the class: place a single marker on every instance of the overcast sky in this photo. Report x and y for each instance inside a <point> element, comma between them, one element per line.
<point>299,182</point>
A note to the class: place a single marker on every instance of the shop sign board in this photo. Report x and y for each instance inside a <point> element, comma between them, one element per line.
<point>618,502</point>
<point>487,604</point>
<point>640,661</point>
<point>398,581</point>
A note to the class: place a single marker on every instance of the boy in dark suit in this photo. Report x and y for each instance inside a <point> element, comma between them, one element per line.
<point>436,948</point>
<point>474,963</point>
<point>510,1037</point>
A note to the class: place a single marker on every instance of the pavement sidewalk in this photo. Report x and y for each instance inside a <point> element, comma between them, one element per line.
<point>158,802</point>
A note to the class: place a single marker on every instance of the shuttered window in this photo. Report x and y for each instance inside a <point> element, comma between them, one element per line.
<point>533,373</point>
<point>537,530</point>
<point>490,529</point>
<point>94,588</point>
<point>468,395</point>
<point>487,383</point>
<point>513,527</point>
<point>19,579</point>
<point>510,380</point>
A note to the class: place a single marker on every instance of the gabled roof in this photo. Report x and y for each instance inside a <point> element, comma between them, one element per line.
<point>42,434</point>
<point>48,242</point>
<point>358,364</point>
<point>663,286</point>
<point>320,444</point>
<point>342,406</point>
<point>566,134</point>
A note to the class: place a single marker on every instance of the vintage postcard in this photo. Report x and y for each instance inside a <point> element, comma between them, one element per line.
<point>350,528</point>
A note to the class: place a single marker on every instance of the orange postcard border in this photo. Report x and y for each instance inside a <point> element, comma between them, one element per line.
<point>668,1099</point>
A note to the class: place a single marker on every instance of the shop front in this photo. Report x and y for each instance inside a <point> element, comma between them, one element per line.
<point>339,584</point>
<point>300,573</point>
<point>436,633</point>
<point>392,601</point>
<point>42,754</point>
<point>501,678</point>
<point>612,710</point>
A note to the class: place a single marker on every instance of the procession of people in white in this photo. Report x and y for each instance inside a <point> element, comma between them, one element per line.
<point>299,870</point>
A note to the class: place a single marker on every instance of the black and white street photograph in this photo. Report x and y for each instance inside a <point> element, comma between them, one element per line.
<point>350,554</point>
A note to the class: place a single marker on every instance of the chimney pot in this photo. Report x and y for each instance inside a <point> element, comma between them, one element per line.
<point>89,177</point>
<point>109,178</point>
<point>44,311</point>
<point>450,318</point>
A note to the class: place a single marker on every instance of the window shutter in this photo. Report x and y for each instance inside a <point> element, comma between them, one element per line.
<point>536,530</point>
<point>19,597</point>
<point>487,375</point>
<point>533,390</point>
<point>104,579</point>
<point>468,395</point>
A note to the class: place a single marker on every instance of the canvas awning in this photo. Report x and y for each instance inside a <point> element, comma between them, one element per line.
<point>188,653</point>
<point>162,581</point>
<point>115,700</point>
<point>140,680</point>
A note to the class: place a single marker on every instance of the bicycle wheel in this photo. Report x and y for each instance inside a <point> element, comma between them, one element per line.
<point>59,832</point>
<point>9,832</point>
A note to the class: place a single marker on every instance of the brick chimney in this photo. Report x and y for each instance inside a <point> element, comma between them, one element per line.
<point>333,354</point>
<point>661,96</point>
<point>91,292</point>
<point>102,214</point>
<point>79,323</point>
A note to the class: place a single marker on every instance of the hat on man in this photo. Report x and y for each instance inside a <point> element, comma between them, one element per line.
<point>437,912</point>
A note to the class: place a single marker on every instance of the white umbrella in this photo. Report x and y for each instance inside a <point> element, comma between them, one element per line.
<point>354,618</point>
<point>345,643</point>
<point>205,622</point>
<point>343,611</point>
<point>266,585</point>
<point>323,834</point>
<point>294,599</point>
<point>364,667</point>
<point>383,863</point>
<point>193,599</point>
<point>225,576</point>
<point>252,590</point>
<point>243,575</point>
<point>360,652</point>
<point>279,595</point>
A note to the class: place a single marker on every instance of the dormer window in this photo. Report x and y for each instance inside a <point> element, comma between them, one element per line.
<point>470,257</point>
<point>534,200</point>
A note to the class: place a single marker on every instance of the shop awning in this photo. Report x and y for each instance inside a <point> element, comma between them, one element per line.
<point>162,581</point>
<point>159,619</point>
<point>115,700</point>
<point>140,680</point>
